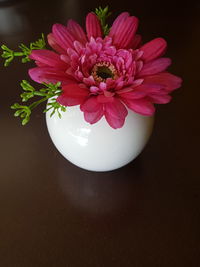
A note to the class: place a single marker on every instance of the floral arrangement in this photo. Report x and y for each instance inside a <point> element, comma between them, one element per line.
<point>104,70</point>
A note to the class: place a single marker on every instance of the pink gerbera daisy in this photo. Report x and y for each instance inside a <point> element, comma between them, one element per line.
<point>106,75</point>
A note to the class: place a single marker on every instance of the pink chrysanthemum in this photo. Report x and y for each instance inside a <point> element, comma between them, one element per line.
<point>105,76</point>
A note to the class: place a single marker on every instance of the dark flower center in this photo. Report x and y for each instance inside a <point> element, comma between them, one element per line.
<point>104,70</point>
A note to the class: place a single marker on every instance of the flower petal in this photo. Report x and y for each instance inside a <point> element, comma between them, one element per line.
<point>49,75</point>
<point>93,27</point>
<point>136,41</point>
<point>105,99</point>
<point>90,105</point>
<point>169,81</point>
<point>153,49</point>
<point>72,95</point>
<point>63,36</point>
<point>120,19</point>
<point>155,66</point>
<point>115,113</point>
<point>93,117</point>
<point>93,111</point>
<point>77,31</point>
<point>48,58</point>
<point>160,99</point>
<point>141,106</point>
<point>123,35</point>
<point>130,93</point>
<point>149,88</point>
<point>53,43</point>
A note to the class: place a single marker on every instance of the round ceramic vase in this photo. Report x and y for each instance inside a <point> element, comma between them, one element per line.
<point>98,147</point>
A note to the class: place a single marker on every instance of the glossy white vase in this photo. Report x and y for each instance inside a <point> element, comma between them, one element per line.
<point>98,147</point>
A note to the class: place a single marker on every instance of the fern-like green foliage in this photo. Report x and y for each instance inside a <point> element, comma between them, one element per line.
<point>9,54</point>
<point>103,14</point>
<point>50,91</point>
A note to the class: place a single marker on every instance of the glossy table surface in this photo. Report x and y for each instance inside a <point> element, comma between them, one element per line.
<point>147,213</point>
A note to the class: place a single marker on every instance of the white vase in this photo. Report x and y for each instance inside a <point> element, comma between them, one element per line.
<point>98,147</point>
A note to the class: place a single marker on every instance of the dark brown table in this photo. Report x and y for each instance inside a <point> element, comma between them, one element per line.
<point>147,213</point>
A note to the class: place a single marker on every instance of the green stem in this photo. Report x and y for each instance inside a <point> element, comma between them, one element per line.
<point>35,104</point>
<point>37,93</point>
<point>18,54</point>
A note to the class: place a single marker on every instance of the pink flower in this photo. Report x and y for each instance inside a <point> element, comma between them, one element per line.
<point>105,76</point>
